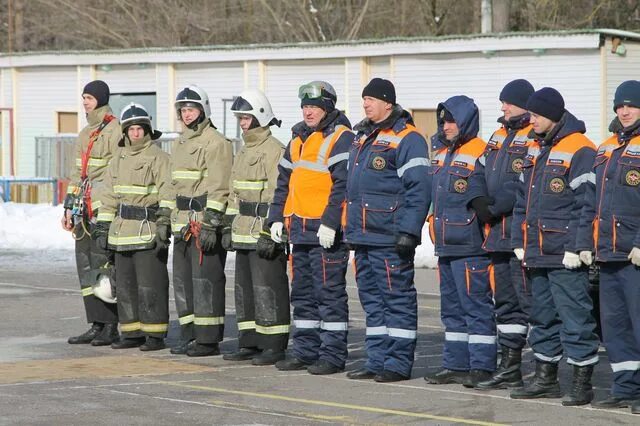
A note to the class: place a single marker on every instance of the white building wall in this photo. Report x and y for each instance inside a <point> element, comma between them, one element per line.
<point>283,78</point>
<point>6,101</point>
<point>128,78</point>
<point>165,95</point>
<point>619,69</point>
<point>38,101</point>
<point>422,81</point>
<point>354,69</point>
<point>220,81</point>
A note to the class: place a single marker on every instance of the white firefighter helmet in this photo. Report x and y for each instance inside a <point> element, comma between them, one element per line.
<point>193,96</point>
<point>102,289</point>
<point>255,103</point>
<point>134,114</point>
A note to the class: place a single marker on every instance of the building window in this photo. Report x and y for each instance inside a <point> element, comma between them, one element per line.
<point>67,122</point>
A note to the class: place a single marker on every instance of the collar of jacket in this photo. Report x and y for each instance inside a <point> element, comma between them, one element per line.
<point>326,126</point>
<point>95,117</point>
<point>188,133</point>
<point>515,123</point>
<point>134,149</point>
<point>624,134</point>
<point>397,121</point>
<point>567,125</point>
<point>256,136</point>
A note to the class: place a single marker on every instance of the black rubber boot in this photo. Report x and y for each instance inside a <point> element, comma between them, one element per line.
<point>581,392</point>
<point>613,401</point>
<point>128,343</point>
<point>446,377</point>
<point>153,344</point>
<point>107,336</point>
<point>508,374</point>
<point>242,354</point>
<point>387,376</point>
<point>202,349</point>
<point>86,337</point>
<point>475,377</point>
<point>183,347</point>
<point>323,367</point>
<point>290,364</point>
<point>268,357</point>
<point>544,385</point>
<point>361,374</point>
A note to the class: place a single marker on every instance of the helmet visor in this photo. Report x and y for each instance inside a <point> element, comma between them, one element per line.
<point>310,91</point>
<point>241,104</point>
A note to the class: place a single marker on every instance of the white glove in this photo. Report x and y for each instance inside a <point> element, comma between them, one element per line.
<point>519,253</point>
<point>571,260</point>
<point>326,236</point>
<point>276,231</point>
<point>586,257</point>
<point>634,256</point>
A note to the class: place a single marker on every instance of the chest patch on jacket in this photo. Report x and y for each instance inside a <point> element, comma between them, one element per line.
<point>516,165</point>
<point>556,185</point>
<point>378,163</point>
<point>460,186</point>
<point>632,177</point>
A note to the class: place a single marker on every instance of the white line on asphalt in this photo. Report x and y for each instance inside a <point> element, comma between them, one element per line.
<point>437,388</point>
<point>70,290</point>
<point>224,407</point>
<point>69,318</point>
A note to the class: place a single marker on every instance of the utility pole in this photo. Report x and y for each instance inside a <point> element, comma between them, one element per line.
<point>486,17</point>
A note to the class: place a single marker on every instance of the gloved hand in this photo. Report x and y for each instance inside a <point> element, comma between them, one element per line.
<point>267,248</point>
<point>163,229</point>
<point>634,256</point>
<point>406,246</point>
<point>100,234</point>
<point>208,237</point>
<point>276,231</point>
<point>226,241</point>
<point>571,260</point>
<point>586,257</point>
<point>519,252</point>
<point>327,236</point>
<point>481,207</point>
<point>213,218</point>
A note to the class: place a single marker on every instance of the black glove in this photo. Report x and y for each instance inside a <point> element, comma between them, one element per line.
<point>69,201</point>
<point>406,246</point>
<point>163,229</point>
<point>208,237</point>
<point>481,207</point>
<point>100,234</point>
<point>225,239</point>
<point>267,248</point>
<point>213,218</point>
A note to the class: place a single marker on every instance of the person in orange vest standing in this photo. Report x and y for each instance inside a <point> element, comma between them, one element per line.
<point>464,267</point>
<point>95,147</point>
<point>308,204</point>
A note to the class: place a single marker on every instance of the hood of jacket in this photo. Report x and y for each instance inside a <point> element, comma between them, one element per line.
<point>465,113</point>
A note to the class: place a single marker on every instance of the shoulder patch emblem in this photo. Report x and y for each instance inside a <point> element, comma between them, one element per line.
<point>556,185</point>
<point>460,186</point>
<point>378,163</point>
<point>632,177</point>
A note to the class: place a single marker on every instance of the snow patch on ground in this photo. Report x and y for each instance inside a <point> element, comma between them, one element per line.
<point>37,227</point>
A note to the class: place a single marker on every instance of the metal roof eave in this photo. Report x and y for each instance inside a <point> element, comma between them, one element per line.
<point>584,39</point>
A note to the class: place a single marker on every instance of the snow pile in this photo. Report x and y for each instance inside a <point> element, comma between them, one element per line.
<point>32,227</point>
<point>37,227</point>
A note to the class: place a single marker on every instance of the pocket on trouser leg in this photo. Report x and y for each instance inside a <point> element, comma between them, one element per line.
<point>399,275</point>
<point>334,267</point>
<point>479,277</point>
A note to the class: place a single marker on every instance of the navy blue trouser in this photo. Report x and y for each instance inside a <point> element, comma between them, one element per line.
<point>512,298</point>
<point>319,299</point>
<point>561,316</point>
<point>388,297</point>
<point>620,314</point>
<point>467,313</point>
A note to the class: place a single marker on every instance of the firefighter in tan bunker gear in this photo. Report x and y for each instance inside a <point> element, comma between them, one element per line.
<point>95,146</point>
<point>201,162</point>
<point>261,287</point>
<point>135,182</point>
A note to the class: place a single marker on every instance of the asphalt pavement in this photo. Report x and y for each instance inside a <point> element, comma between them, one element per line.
<point>45,381</point>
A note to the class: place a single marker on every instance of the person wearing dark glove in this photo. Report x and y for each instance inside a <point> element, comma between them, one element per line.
<point>460,214</point>
<point>266,247</point>
<point>225,239</point>
<point>100,234</point>
<point>481,206</point>
<point>163,230</point>
<point>406,246</point>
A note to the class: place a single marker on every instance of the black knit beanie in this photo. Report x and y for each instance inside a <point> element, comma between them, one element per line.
<point>517,93</point>
<point>547,102</point>
<point>382,89</point>
<point>99,90</point>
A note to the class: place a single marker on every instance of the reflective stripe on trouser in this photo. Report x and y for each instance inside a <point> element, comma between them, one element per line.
<point>89,256</point>
<point>199,291</point>
<point>467,313</point>
<point>620,313</point>
<point>262,301</point>
<point>143,293</point>
<point>512,298</point>
<point>319,299</point>
<point>561,316</point>
<point>389,299</point>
